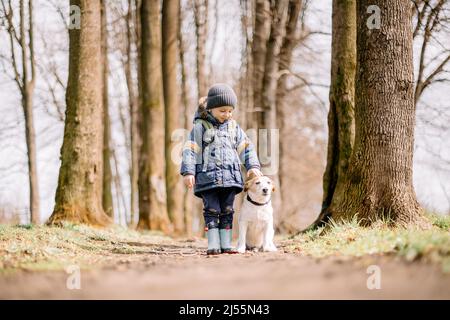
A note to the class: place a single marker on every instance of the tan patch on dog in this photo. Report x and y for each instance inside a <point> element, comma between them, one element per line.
<point>250,182</point>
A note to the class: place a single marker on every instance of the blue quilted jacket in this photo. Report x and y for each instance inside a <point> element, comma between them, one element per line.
<point>214,153</point>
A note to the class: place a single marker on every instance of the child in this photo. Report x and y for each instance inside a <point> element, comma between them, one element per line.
<point>211,162</point>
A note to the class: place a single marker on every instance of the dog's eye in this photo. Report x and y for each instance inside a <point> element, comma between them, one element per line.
<point>269,182</point>
<point>258,182</point>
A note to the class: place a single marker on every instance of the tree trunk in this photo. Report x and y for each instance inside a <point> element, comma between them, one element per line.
<point>378,183</point>
<point>26,83</point>
<point>215,34</point>
<point>260,36</point>
<point>341,123</point>
<point>245,88</point>
<point>187,196</point>
<point>27,103</point>
<point>267,118</point>
<point>170,26</point>
<point>152,188</point>
<point>200,9</point>
<point>134,112</point>
<point>78,195</point>
<point>28,111</point>
<point>107,200</point>
<point>201,31</point>
<point>290,41</point>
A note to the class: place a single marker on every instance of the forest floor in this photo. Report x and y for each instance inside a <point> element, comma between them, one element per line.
<point>38,262</point>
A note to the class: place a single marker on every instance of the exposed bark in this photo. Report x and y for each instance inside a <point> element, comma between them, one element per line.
<point>152,189</point>
<point>214,38</point>
<point>378,184</point>
<point>259,44</point>
<point>78,195</point>
<point>290,41</point>
<point>200,8</point>
<point>170,26</point>
<point>120,198</point>
<point>266,119</point>
<point>341,124</point>
<point>26,82</point>
<point>187,197</point>
<point>107,200</point>
<point>133,102</point>
<point>246,91</point>
<point>201,30</point>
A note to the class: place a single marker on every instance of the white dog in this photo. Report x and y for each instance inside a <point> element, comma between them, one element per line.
<point>256,218</point>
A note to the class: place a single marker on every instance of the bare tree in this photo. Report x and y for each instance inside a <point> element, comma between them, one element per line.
<point>430,19</point>
<point>152,189</point>
<point>259,46</point>
<point>79,192</point>
<point>107,200</point>
<point>266,119</point>
<point>130,65</point>
<point>378,183</point>
<point>187,197</point>
<point>290,41</point>
<point>201,30</point>
<point>245,79</point>
<point>24,68</point>
<point>341,121</point>
<point>170,27</point>
<point>200,11</point>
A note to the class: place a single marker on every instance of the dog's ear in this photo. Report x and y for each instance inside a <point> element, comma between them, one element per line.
<point>273,185</point>
<point>251,175</point>
<point>248,183</point>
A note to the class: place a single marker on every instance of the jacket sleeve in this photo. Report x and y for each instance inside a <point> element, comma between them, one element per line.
<point>192,150</point>
<point>246,150</point>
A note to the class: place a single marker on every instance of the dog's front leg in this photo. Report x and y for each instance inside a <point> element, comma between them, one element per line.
<point>268,244</point>
<point>242,236</point>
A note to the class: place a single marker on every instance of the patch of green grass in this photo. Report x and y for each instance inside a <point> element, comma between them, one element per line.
<point>34,247</point>
<point>440,221</point>
<point>351,239</point>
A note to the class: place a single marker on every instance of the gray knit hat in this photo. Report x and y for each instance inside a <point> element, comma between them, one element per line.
<point>220,95</point>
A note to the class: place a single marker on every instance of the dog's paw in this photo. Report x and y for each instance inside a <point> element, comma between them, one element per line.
<point>240,249</point>
<point>270,248</point>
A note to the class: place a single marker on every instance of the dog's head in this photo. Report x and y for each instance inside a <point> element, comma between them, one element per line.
<point>259,188</point>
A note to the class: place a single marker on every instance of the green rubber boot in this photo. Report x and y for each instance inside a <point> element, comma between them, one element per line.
<point>225,241</point>
<point>213,242</point>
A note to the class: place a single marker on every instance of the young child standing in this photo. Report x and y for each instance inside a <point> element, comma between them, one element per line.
<point>211,163</point>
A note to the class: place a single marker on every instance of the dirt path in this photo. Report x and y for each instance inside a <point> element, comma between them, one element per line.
<point>181,270</point>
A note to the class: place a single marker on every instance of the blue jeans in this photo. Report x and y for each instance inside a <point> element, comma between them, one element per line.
<point>218,207</point>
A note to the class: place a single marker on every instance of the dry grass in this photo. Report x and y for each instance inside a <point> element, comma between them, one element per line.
<point>351,239</point>
<point>29,247</point>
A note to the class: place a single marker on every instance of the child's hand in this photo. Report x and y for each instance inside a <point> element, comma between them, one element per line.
<point>255,172</point>
<point>189,180</point>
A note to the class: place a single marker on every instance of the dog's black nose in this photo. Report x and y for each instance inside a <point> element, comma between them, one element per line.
<point>265,190</point>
